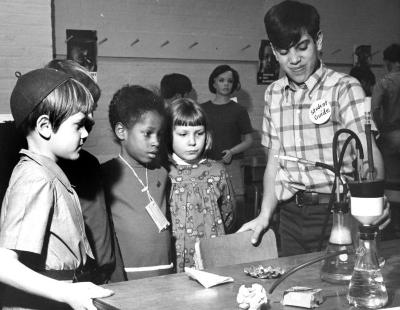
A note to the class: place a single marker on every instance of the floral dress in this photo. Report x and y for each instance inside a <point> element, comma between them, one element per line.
<point>200,205</point>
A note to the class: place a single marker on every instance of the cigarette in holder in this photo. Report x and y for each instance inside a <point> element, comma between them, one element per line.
<point>305,162</point>
<point>370,157</point>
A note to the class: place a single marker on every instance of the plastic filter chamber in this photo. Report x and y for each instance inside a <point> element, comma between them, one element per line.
<point>367,200</point>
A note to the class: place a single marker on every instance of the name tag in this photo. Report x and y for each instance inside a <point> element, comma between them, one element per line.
<point>320,111</point>
<point>157,216</point>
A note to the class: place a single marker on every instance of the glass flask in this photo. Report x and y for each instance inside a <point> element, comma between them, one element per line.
<point>366,288</point>
<point>338,269</point>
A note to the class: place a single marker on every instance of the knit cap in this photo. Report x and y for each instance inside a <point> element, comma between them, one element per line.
<point>30,90</point>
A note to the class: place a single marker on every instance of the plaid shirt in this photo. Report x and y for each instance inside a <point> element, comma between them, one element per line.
<point>287,127</point>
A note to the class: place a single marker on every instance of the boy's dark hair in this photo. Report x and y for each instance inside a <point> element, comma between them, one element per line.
<point>173,84</point>
<point>67,99</point>
<point>392,53</point>
<point>186,112</point>
<point>79,73</point>
<point>222,69</point>
<point>287,21</point>
<point>130,103</point>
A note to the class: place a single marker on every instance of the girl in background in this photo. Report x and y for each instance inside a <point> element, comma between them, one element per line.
<point>200,199</point>
<point>230,126</point>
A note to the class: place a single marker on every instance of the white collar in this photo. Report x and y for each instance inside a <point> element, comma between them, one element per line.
<point>180,161</point>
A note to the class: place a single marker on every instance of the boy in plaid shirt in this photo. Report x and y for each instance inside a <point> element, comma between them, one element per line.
<point>303,111</point>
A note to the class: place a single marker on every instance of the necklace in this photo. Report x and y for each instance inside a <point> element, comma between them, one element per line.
<point>152,208</point>
<point>145,187</point>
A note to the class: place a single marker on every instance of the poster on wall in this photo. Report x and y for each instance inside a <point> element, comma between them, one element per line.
<point>82,48</point>
<point>268,68</point>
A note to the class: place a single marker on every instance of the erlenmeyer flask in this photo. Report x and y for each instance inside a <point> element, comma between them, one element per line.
<point>366,288</point>
<point>338,269</point>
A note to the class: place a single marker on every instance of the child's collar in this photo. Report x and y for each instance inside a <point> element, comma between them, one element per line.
<point>50,165</point>
<point>180,161</point>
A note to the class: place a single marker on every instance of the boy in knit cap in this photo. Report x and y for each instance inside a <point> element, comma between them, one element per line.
<point>41,224</point>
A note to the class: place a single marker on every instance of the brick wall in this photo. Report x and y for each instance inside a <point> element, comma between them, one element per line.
<point>25,41</point>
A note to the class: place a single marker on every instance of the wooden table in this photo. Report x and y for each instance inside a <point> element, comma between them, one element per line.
<point>177,291</point>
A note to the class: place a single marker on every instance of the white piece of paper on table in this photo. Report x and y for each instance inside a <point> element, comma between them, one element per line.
<point>207,279</point>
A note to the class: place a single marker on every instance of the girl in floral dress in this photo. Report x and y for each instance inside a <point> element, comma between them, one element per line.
<point>200,197</point>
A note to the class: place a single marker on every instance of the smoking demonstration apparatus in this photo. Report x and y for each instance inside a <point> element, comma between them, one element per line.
<point>341,263</point>
<point>367,288</point>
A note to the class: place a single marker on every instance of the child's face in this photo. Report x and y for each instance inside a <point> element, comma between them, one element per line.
<point>188,142</point>
<point>69,138</point>
<point>300,61</point>
<point>141,142</point>
<point>223,83</point>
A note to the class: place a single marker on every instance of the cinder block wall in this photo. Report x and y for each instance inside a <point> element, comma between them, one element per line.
<point>25,44</point>
<point>112,74</point>
<point>222,29</point>
<point>25,41</point>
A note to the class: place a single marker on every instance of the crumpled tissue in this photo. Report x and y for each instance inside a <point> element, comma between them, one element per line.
<point>252,298</point>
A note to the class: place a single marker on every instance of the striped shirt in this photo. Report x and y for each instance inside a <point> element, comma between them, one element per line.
<point>287,127</point>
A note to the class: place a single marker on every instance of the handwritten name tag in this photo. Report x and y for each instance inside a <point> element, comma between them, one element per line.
<point>320,111</point>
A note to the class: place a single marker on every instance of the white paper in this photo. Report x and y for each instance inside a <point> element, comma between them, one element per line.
<point>6,118</point>
<point>207,279</point>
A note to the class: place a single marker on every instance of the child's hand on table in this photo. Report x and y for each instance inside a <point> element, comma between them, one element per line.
<point>80,295</point>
